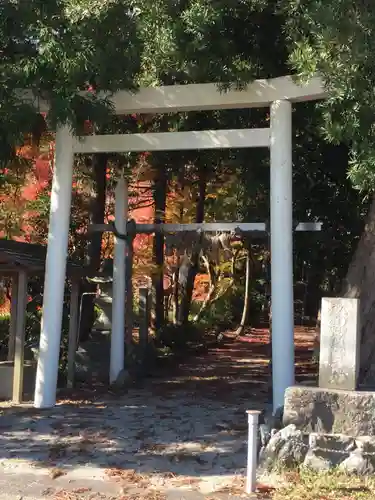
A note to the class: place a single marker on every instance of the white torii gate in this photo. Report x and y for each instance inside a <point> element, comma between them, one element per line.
<point>277,93</point>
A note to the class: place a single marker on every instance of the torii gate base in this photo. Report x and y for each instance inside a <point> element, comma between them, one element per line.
<point>277,94</point>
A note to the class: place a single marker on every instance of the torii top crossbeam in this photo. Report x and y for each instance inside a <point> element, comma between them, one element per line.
<point>207,96</point>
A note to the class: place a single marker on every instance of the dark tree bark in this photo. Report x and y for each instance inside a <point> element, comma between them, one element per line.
<point>176,282</point>
<point>99,165</point>
<point>359,283</point>
<point>313,292</point>
<point>193,267</point>
<point>160,198</point>
<point>176,294</point>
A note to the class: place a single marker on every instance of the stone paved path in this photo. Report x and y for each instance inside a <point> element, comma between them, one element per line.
<point>182,436</point>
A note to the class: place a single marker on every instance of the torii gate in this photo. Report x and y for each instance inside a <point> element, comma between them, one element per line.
<point>278,94</point>
<point>128,230</point>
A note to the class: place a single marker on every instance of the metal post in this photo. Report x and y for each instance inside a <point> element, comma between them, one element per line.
<point>20,338</point>
<point>119,283</point>
<point>251,478</point>
<point>281,251</point>
<point>73,332</point>
<point>54,282</point>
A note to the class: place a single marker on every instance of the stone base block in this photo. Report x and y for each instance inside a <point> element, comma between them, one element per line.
<point>92,359</point>
<point>330,411</point>
<point>291,448</point>
<point>6,378</point>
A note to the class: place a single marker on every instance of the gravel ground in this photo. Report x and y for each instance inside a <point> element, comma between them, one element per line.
<point>179,435</point>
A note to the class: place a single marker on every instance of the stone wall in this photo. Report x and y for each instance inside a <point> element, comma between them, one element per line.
<point>290,447</point>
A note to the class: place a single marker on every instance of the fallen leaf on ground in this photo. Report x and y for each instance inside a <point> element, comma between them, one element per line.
<point>263,488</point>
<point>56,472</point>
<point>130,476</point>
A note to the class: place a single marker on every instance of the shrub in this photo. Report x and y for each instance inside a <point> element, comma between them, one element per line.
<point>177,336</point>
<point>4,331</point>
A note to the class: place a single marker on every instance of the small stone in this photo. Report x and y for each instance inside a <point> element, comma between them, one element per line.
<point>356,463</point>
<point>316,462</point>
<point>366,444</point>
<point>268,454</point>
<point>313,440</point>
<point>289,431</point>
<point>286,447</point>
<point>264,434</point>
<point>275,443</point>
<point>268,427</point>
<point>292,453</point>
<point>336,442</point>
<point>278,417</point>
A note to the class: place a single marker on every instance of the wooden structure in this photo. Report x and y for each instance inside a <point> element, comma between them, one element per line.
<point>20,261</point>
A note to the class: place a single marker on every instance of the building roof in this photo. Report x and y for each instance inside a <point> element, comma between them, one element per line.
<point>16,256</point>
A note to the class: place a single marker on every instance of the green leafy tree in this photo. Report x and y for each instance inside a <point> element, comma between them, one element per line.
<point>68,51</point>
<point>335,39</point>
<point>56,50</point>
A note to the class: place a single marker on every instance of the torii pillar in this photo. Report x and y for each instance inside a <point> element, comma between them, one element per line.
<point>281,250</point>
<point>55,270</point>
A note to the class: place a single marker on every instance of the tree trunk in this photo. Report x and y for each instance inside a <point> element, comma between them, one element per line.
<point>211,291</point>
<point>99,166</point>
<point>359,283</point>
<point>176,283</point>
<point>160,199</point>
<point>176,289</point>
<point>187,289</point>
<point>246,304</point>
<point>314,281</point>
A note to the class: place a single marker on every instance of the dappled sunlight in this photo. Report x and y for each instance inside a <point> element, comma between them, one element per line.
<point>186,429</point>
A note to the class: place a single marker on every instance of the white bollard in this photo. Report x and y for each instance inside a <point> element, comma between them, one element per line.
<point>251,478</point>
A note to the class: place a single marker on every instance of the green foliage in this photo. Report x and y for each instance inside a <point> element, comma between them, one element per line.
<point>220,315</point>
<point>225,41</point>
<point>4,331</point>
<point>56,50</point>
<point>32,329</point>
<point>335,38</point>
<point>12,207</point>
<point>59,49</point>
<point>177,337</point>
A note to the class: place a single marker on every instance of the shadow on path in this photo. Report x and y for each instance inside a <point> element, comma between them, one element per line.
<point>186,430</point>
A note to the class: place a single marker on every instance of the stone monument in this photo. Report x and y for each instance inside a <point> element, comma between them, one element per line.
<point>335,406</point>
<point>339,344</point>
<point>332,425</point>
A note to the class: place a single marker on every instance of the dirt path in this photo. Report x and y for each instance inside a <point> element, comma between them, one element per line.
<point>178,435</point>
